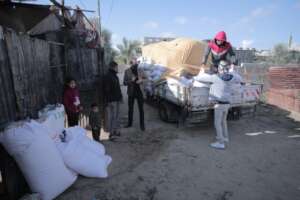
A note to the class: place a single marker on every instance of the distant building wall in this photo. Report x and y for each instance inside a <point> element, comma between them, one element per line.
<point>245,55</point>
<point>151,40</point>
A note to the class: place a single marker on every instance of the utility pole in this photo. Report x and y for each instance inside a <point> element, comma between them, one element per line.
<point>99,21</point>
<point>63,12</point>
<point>101,62</point>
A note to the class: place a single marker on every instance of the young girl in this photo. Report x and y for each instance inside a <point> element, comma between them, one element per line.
<point>72,102</point>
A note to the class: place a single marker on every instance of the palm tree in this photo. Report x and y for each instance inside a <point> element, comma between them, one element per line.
<point>128,49</point>
<point>110,52</point>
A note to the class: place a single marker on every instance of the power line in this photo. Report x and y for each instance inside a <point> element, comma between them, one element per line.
<point>110,11</point>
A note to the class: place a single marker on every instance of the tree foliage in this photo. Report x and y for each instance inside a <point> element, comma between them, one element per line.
<point>128,49</point>
<point>282,55</point>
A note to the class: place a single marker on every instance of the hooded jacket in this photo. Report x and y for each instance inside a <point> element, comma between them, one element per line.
<point>223,52</point>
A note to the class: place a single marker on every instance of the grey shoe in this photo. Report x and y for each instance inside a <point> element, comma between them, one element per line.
<point>218,145</point>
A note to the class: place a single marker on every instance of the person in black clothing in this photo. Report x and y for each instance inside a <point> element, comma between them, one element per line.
<point>95,122</point>
<point>133,81</point>
<point>113,98</point>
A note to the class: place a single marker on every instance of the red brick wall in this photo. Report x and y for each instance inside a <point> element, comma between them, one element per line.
<point>284,90</point>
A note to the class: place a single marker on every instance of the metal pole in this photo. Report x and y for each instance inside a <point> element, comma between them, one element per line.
<point>101,64</point>
<point>99,21</point>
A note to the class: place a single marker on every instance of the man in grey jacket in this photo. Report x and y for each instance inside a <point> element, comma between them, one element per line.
<point>220,93</point>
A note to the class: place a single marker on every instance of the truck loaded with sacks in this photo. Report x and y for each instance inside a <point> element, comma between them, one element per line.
<point>171,73</point>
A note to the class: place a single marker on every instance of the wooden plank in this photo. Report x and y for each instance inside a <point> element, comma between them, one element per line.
<point>7,100</point>
<point>31,72</point>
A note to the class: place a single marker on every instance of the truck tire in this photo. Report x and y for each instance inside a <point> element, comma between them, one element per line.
<point>168,112</point>
<point>163,112</point>
<point>234,114</point>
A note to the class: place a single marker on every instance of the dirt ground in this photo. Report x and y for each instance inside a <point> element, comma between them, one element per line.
<point>262,161</point>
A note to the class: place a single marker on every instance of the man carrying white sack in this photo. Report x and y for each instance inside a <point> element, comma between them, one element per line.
<point>220,93</point>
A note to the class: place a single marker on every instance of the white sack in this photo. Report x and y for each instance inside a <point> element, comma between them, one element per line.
<point>79,133</point>
<point>38,159</point>
<point>53,117</point>
<point>85,162</point>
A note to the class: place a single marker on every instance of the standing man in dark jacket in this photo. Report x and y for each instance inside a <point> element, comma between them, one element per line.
<point>113,97</point>
<point>220,49</point>
<point>133,81</point>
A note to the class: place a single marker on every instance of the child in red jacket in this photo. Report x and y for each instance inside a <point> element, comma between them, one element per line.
<point>72,102</point>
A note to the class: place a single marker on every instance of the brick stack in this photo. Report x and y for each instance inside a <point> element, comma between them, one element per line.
<point>284,90</point>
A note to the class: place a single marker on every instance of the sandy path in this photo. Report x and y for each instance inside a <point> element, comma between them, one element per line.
<point>262,162</point>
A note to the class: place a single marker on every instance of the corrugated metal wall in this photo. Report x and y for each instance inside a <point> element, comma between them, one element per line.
<point>28,82</point>
<point>29,61</point>
<point>83,65</point>
<point>7,97</point>
<point>33,73</point>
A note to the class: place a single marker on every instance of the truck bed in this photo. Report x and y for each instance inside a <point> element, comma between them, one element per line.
<point>196,98</point>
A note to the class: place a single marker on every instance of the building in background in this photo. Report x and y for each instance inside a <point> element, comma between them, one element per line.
<point>263,55</point>
<point>245,55</point>
<point>295,48</point>
<point>152,40</point>
<point>291,46</point>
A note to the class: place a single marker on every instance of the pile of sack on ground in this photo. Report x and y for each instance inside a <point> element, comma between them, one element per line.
<point>50,156</point>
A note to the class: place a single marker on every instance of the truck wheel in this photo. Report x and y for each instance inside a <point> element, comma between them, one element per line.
<point>234,114</point>
<point>163,112</point>
<point>182,114</point>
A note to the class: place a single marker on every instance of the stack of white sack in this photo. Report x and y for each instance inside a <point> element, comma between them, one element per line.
<point>199,92</point>
<point>38,158</point>
<point>155,72</point>
<point>187,82</point>
<point>152,73</point>
<point>81,154</point>
<point>51,156</point>
<point>53,117</point>
<point>228,91</point>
